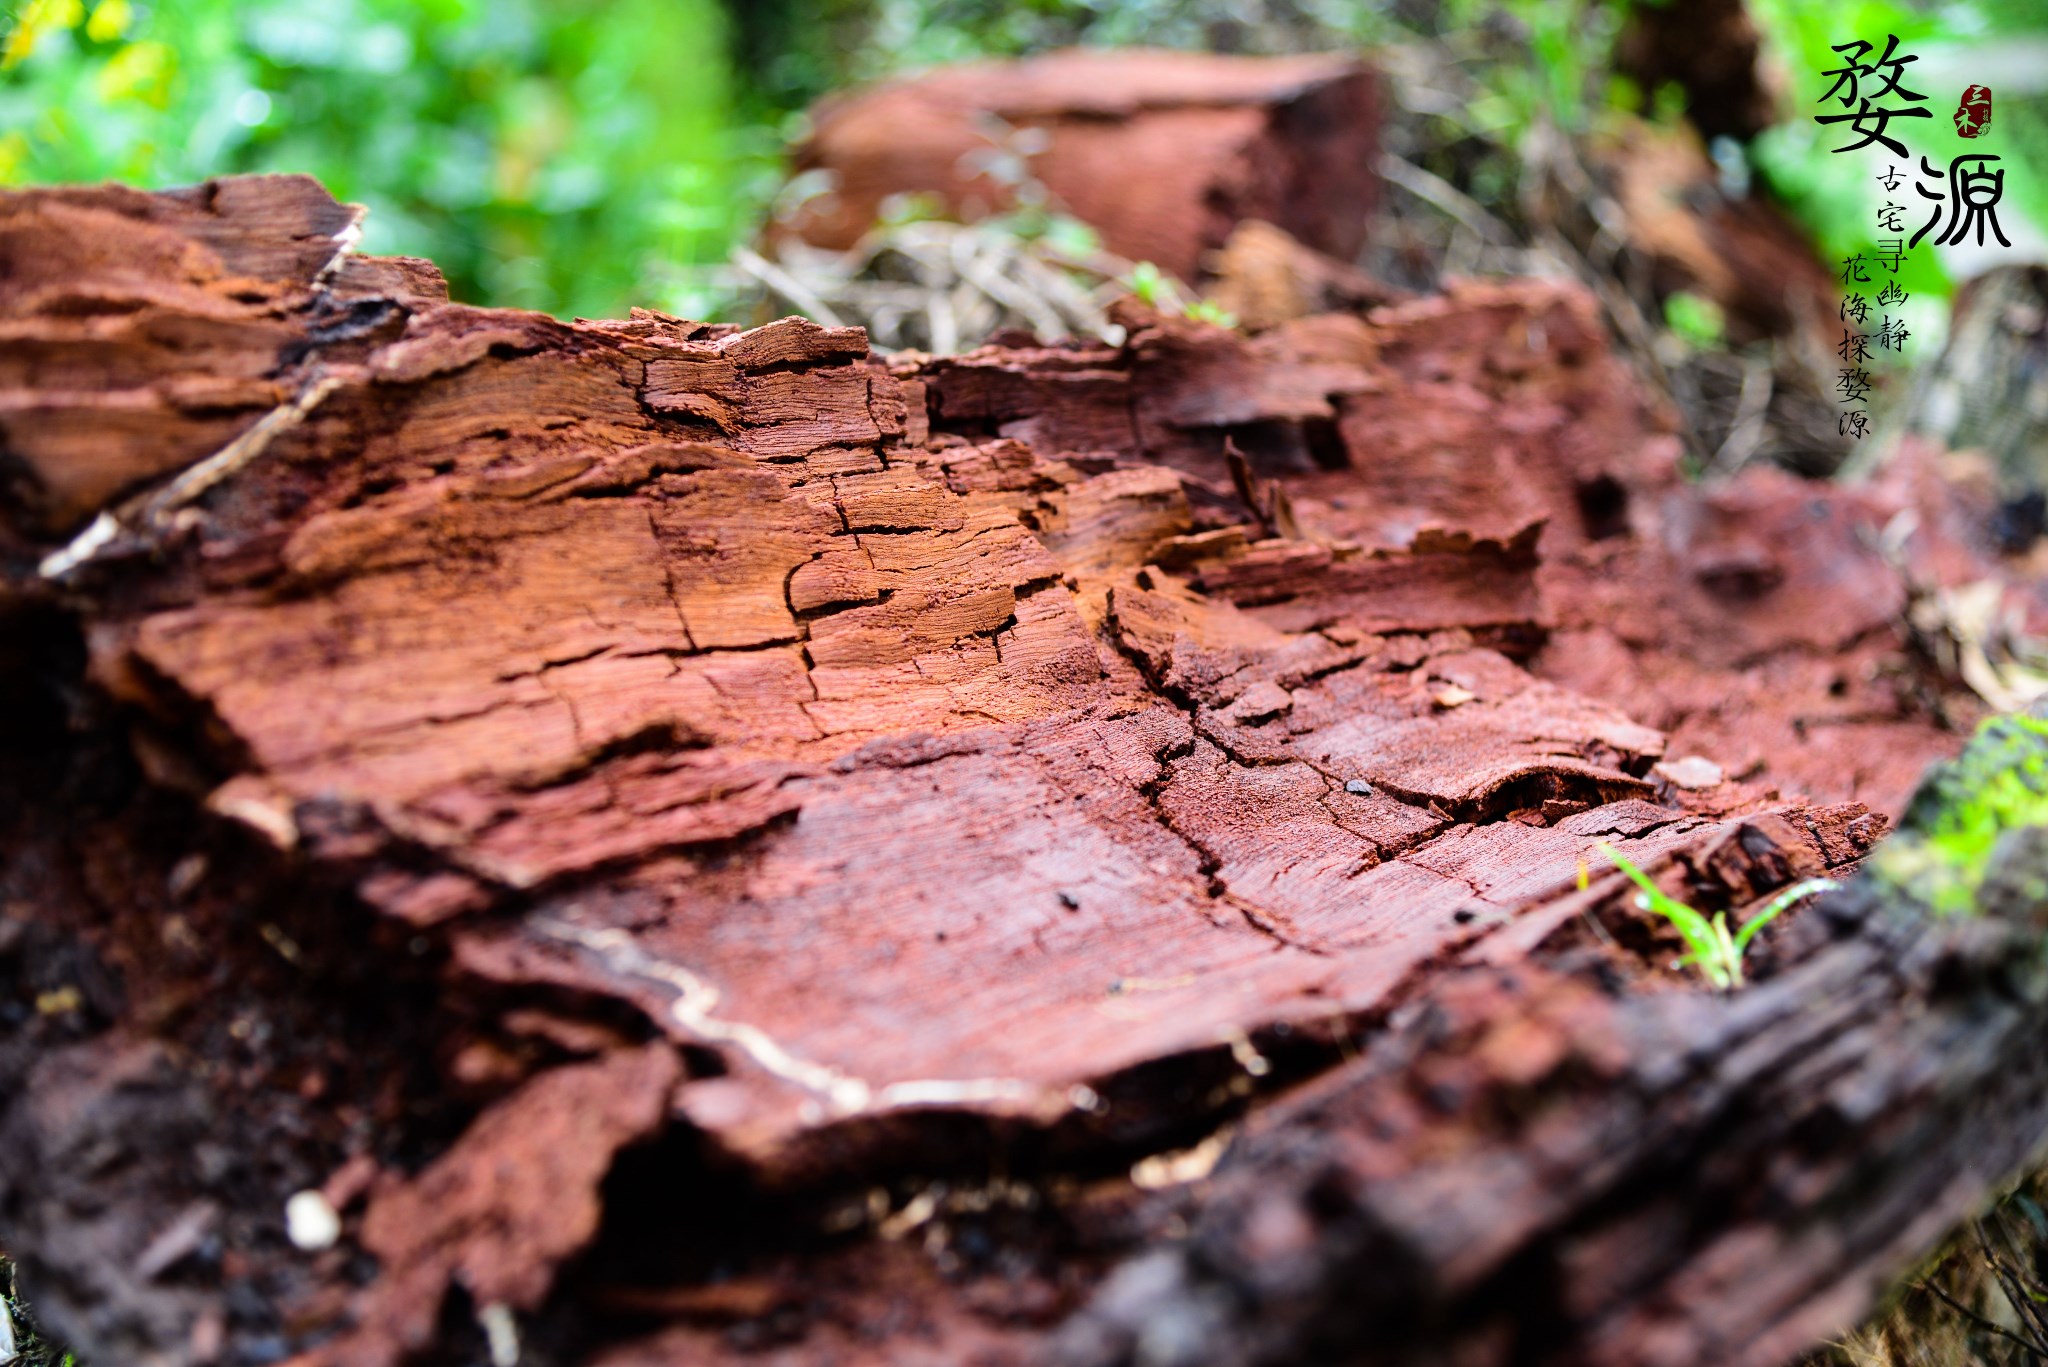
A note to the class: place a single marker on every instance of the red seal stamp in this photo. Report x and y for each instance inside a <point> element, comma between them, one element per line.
<point>1973,115</point>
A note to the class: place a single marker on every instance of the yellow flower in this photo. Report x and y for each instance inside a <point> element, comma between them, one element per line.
<point>38,18</point>
<point>110,19</point>
<point>139,71</point>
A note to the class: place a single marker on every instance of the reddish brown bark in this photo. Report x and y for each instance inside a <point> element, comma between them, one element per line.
<point>1163,153</point>
<point>664,815</point>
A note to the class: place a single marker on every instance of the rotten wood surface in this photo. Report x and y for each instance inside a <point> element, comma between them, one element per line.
<point>710,845</point>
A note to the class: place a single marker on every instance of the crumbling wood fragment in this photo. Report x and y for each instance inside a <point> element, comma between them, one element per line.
<point>1163,153</point>
<point>695,841</point>
<point>514,1196</point>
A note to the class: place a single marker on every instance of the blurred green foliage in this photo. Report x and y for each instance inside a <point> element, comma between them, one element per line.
<point>547,153</point>
<point>801,48</point>
<point>1564,79</point>
<point>1696,320</point>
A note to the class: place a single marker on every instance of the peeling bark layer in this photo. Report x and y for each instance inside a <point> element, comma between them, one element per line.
<point>703,843</point>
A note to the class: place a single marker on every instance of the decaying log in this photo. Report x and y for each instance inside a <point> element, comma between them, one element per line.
<point>1161,152</point>
<point>703,844</point>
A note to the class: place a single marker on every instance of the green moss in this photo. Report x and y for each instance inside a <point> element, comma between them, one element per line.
<point>31,1349</point>
<point>1944,846</point>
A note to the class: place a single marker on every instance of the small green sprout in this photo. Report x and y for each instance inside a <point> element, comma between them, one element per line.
<point>1149,284</point>
<point>1155,289</point>
<point>1709,944</point>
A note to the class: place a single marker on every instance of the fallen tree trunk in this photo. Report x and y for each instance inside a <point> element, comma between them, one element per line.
<point>695,842</point>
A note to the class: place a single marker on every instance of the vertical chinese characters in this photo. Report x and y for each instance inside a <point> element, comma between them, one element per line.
<point>1868,91</point>
<point>1872,95</point>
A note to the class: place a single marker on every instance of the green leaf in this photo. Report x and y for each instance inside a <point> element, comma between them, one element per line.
<point>1777,904</point>
<point>1694,928</point>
